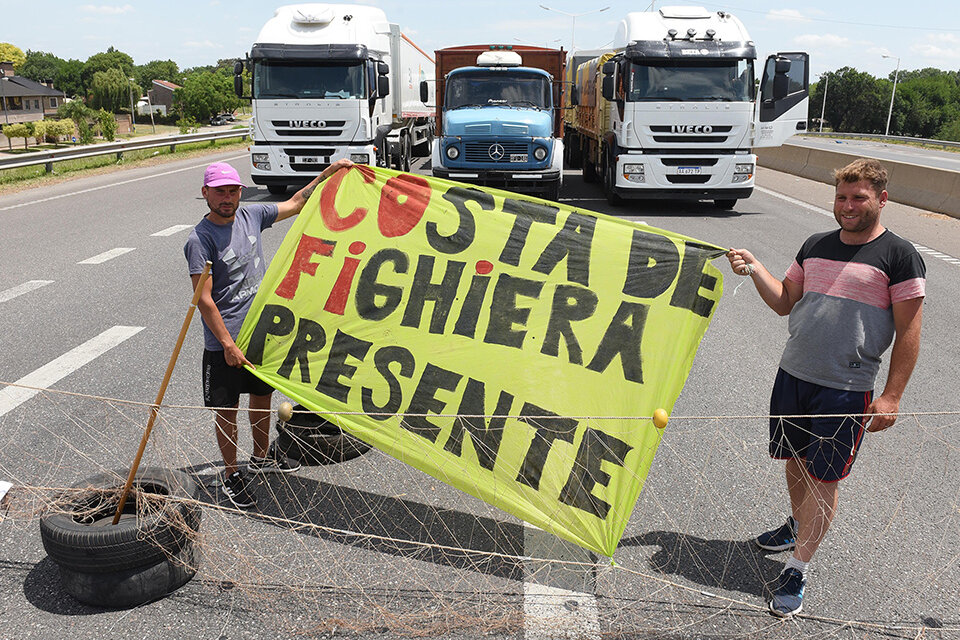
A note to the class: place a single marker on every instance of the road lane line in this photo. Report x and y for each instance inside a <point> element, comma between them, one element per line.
<point>169,231</point>
<point>20,289</point>
<point>107,255</point>
<point>59,368</point>
<point>800,203</point>
<point>115,184</point>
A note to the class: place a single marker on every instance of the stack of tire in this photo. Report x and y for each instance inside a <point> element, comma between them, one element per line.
<point>145,556</point>
<point>313,441</point>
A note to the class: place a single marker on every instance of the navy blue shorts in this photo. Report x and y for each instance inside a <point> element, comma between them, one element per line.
<point>223,384</point>
<point>828,445</point>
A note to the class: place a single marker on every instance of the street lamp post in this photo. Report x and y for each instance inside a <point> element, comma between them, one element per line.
<point>573,31</point>
<point>823,107</point>
<point>133,118</point>
<point>894,93</point>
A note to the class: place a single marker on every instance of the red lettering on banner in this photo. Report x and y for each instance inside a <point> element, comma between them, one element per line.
<point>308,247</point>
<point>396,218</point>
<point>328,199</point>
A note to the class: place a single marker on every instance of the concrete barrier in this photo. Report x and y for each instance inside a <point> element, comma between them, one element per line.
<point>910,184</point>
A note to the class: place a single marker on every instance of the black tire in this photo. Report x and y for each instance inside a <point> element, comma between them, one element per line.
<point>552,192</point>
<point>79,534</point>
<point>422,149</point>
<point>132,587</point>
<point>406,152</point>
<point>312,440</point>
<point>589,170</point>
<point>277,189</point>
<point>609,180</point>
<point>725,203</point>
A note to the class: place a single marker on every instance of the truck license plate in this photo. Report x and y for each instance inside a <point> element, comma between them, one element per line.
<point>688,171</point>
<point>518,157</point>
<point>304,160</point>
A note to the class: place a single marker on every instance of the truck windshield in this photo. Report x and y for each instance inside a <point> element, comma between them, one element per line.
<point>498,89</point>
<point>308,79</point>
<point>726,80</point>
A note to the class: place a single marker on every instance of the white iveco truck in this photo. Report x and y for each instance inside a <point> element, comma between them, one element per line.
<point>333,81</point>
<point>673,112</point>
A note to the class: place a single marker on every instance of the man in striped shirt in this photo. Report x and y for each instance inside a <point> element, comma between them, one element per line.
<point>849,294</point>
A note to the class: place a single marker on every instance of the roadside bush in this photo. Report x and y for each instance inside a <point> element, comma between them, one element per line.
<point>18,130</point>
<point>188,124</point>
<point>107,124</point>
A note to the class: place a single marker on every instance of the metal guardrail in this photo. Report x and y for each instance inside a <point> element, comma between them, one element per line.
<point>119,148</point>
<point>946,144</point>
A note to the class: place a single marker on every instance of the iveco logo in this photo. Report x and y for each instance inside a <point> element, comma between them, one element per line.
<point>308,124</point>
<point>496,152</point>
<point>691,128</point>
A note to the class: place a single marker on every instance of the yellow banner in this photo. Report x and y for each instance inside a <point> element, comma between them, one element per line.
<point>502,344</point>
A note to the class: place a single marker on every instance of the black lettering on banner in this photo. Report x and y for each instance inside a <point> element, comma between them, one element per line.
<point>336,367</point>
<point>442,295</point>
<point>382,360</point>
<point>654,262</point>
<point>369,289</point>
<point>463,237</point>
<point>470,310</point>
<point>692,278</point>
<point>587,472</point>
<point>310,339</point>
<point>623,337</point>
<point>274,320</point>
<point>546,430</point>
<point>570,304</point>
<point>504,312</point>
<point>425,401</point>
<point>573,242</point>
<point>484,437</point>
<point>526,214</point>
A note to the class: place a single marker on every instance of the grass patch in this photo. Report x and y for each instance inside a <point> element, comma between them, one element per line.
<point>29,177</point>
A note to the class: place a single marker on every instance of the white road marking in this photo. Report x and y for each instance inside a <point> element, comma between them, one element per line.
<point>800,203</point>
<point>59,368</point>
<point>169,231</point>
<point>107,255</point>
<point>21,289</point>
<point>114,184</point>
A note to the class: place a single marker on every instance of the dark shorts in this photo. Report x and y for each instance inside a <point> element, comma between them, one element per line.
<point>223,384</point>
<point>828,445</point>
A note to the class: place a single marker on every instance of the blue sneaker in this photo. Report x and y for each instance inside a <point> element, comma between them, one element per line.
<point>788,596</point>
<point>782,539</point>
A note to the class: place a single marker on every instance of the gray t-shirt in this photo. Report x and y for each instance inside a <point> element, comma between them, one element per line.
<point>238,265</point>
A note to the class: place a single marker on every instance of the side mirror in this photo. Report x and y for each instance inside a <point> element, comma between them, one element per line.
<point>383,68</point>
<point>783,66</point>
<point>424,94</point>
<point>237,68</point>
<point>607,87</point>
<point>238,85</point>
<point>609,67</point>
<point>383,86</point>
<point>575,95</point>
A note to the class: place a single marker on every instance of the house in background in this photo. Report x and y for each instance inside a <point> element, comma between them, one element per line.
<point>160,97</point>
<point>23,100</point>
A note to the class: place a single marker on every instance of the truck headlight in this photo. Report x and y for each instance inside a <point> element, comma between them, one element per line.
<point>360,158</point>
<point>633,168</point>
<point>540,153</point>
<point>746,167</point>
<point>741,177</point>
<point>453,152</point>
<point>261,157</point>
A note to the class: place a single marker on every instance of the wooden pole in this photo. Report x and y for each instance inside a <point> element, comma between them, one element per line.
<point>155,409</point>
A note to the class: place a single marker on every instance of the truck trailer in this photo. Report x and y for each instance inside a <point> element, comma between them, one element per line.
<point>672,111</point>
<point>499,117</point>
<point>333,81</point>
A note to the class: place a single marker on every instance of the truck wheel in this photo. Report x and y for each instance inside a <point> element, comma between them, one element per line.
<point>609,180</point>
<point>589,170</point>
<point>422,149</point>
<point>725,203</point>
<point>406,151</point>
<point>78,533</point>
<point>277,189</point>
<point>552,192</point>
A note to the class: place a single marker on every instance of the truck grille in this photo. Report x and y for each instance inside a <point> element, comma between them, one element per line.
<point>666,134</point>
<point>688,179</point>
<point>684,162</point>
<point>480,151</point>
<point>330,128</point>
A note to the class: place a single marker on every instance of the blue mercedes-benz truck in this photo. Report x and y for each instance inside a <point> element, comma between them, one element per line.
<point>499,119</point>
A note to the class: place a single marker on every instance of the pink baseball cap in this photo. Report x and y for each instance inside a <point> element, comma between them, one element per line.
<point>219,174</point>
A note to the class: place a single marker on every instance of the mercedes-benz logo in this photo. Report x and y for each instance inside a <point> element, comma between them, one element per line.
<point>496,151</point>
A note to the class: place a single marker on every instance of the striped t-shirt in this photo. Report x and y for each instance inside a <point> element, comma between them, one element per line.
<point>844,321</point>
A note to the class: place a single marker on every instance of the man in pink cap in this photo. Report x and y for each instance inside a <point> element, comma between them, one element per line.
<point>229,237</point>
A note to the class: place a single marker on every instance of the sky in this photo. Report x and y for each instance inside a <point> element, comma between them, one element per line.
<point>851,33</point>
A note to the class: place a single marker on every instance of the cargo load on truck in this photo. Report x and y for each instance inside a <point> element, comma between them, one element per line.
<point>332,81</point>
<point>499,117</point>
<point>672,110</point>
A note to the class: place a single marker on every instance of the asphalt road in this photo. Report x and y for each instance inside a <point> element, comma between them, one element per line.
<point>939,159</point>
<point>685,567</point>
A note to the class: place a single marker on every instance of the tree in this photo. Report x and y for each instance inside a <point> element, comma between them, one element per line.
<point>206,93</point>
<point>855,101</point>
<point>107,124</point>
<point>80,114</point>
<point>158,70</point>
<point>111,90</point>
<point>12,53</point>
<point>100,62</point>
<point>18,130</point>
<point>41,66</point>
<point>69,78</point>
<point>40,130</point>
<point>62,129</point>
